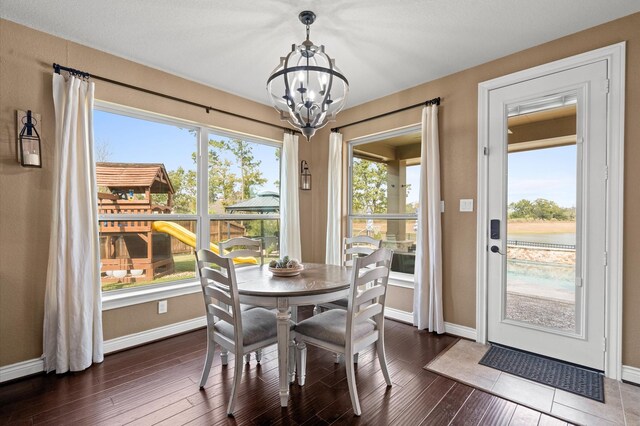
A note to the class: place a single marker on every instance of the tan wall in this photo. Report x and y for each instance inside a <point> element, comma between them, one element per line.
<point>25,194</point>
<point>123,321</point>
<point>400,298</point>
<point>458,148</point>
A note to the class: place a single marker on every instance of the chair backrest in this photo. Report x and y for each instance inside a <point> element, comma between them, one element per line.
<point>367,294</point>
<point>352,247</point>
<point>220,291</point>
<point>242,247</point>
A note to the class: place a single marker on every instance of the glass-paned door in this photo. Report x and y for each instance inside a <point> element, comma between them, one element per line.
<point>546,203</point>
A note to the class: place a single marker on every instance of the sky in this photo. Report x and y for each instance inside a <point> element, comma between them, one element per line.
<point>132,140</point>
<point>413,179</point>
<point>544,173</point>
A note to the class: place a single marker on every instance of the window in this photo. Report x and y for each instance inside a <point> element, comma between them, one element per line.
<point>244,191</point>
<point>151,195</point>
<point>384,179</point>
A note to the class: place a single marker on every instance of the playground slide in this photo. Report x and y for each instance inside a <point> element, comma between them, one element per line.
<point>189,238</point>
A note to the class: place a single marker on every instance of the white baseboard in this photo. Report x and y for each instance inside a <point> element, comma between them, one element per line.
<point>21,369</point>
<point>455,329</point>
<point>460,330</point>
<point>398,315</point>
<point>137,339</point>
<point>631,374</point>
<point>34,366</point>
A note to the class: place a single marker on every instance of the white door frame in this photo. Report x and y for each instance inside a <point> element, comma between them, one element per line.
<point>615,55</point>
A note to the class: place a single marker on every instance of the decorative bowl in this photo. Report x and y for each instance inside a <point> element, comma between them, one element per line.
<point>286,272</point>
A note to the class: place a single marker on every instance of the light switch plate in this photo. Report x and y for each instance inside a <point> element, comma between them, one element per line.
<point>442,206</point>
<point>466,205</point>
<point>162,307</point>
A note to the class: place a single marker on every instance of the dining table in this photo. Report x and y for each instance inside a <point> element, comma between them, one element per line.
<point>316,284</point>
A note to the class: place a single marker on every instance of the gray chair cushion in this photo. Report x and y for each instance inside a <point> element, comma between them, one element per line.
<point>344,302</point>
<point>331,326</point>
<point>258,324</point>
<point>244,307</point>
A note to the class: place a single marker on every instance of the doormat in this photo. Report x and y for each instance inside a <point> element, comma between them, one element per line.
<point>547,371</point>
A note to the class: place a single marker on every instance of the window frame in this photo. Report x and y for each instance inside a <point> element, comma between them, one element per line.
<point>397,279</point>
<point>135,295</point>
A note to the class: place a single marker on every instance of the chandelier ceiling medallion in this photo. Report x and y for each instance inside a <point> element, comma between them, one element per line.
<point>306,87</point>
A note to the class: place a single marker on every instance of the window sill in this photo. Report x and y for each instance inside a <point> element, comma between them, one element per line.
<point>122,298</point>
<point>398,279</point>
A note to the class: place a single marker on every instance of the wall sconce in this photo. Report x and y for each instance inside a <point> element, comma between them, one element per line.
<point>29,149</point>
<point>305,176</point>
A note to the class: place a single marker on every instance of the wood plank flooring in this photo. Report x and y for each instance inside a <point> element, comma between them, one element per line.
<point>158,384</point>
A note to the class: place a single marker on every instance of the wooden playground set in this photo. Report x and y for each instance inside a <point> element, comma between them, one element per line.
<point>141,250</point>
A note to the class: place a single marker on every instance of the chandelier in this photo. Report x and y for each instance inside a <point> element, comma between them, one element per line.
<point>306,87</point>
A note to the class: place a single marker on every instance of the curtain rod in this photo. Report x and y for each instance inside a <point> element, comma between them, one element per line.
<point>57,68</point>
<point>434,101</point>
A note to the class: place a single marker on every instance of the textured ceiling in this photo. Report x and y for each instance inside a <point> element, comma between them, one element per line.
<point>382,46</point>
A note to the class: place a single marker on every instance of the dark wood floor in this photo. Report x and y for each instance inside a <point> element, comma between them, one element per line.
<point>158,384</point>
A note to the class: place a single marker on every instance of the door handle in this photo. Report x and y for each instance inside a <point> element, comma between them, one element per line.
<point>496,249</point>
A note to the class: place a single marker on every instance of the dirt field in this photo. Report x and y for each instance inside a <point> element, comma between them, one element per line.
<point>542,227</point>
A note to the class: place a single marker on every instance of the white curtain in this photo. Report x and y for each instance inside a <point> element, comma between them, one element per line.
<point>73,315</point>
<point>427,296</point>
<point>333,254</point>
<point>289,204</point>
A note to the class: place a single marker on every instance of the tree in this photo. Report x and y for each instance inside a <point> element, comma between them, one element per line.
<point>184,185</point>
<point>540,209</point>
<point>224,184</point>
<point>278,157</point>
<point>102,150</point>
<point>522,209</point>
<point>250,174</point>
<point>369,186</point>
<point>222,180</point>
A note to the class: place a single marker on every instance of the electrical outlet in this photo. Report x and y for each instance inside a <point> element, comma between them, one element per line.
<point>162,307</point>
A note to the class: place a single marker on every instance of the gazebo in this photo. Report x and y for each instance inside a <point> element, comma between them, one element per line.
<point>265,202</point>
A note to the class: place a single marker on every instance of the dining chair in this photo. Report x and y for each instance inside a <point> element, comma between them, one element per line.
<point>352,330</point>
<point>236,331</point>
<point>352,247</point>
<point>243,247</point>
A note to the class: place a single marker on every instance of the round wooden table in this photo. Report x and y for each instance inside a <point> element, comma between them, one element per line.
<point>316,284</point>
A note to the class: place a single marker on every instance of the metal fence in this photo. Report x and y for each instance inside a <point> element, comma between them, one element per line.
<point>517,243</point>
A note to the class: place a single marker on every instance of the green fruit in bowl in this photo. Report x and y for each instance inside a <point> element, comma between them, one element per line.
<point>285,263</point>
